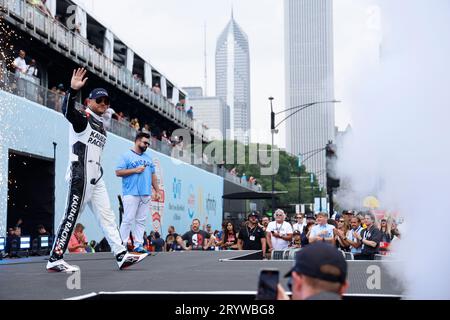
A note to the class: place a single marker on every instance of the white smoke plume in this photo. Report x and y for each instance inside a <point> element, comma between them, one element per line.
<point>398,149</point>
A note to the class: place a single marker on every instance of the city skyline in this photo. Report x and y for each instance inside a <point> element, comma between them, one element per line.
<point>182,58</point>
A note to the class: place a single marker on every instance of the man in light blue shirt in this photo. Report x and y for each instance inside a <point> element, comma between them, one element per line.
<point>137,171</point>
<point>322,231</point>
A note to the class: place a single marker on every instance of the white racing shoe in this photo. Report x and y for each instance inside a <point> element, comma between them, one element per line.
<point>127,259</point>
<point>61,266</point>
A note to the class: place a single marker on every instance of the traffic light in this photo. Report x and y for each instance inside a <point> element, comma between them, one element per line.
<point>272,120</point>
<point>332,181</point>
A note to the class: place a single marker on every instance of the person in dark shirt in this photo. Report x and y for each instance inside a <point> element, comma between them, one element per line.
<point>229,238</point>
<point>370,239</point>
<point>306,233</point>
<point>196,239</point>
<point>157,242</point>
<point>171,239</point>
<point>252,236</point>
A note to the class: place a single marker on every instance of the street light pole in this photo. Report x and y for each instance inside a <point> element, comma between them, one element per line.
<point>272,129</point>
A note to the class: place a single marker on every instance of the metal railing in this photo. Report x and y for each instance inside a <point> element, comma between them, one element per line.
<point>28,87</point>
<point>61,38</point>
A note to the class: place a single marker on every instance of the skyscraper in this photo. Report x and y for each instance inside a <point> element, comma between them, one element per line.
<point>233,78</point>
<point>309,78</point>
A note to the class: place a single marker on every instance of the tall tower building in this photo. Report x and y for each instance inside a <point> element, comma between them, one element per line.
<point>309,74</point>
<point>233,78</point>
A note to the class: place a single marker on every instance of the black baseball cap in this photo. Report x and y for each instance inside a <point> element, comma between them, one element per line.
<point>322,261</point>
<point>310,216</point>
<point>253,214</point>
<point>98,93</point>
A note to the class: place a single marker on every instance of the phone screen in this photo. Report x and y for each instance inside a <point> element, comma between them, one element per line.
<point>268,282</point>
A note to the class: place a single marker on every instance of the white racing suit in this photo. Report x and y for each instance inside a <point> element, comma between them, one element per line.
<point>84,175</point>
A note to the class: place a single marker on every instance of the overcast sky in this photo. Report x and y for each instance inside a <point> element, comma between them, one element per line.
<point>170,34</point>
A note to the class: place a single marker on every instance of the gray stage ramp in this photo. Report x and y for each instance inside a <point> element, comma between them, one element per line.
<point>201,272</point>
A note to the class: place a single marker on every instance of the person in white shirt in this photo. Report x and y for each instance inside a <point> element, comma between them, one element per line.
<point>107,117</point>
<point>300,223</point>
<point>20,64</point>
<point>322,231</point>
<point>351,239</point>
<point>279,232</point>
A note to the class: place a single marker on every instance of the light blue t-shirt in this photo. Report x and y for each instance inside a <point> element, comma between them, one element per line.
<point>137,184</point>
<point>317,229</point>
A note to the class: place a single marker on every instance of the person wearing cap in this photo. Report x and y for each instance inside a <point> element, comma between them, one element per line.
<point>347,214</point>
<point>279,232</point>
<point>252,236</point>
<point>310,218</point>
<point>322,231</point>
<point>319,273</point>
<point>87,138</point>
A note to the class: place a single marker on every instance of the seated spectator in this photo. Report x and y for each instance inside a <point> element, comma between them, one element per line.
<point>322,231</point>
<point>296,240</point>
<point>157,242</point>
<point>78,241</point>
<point>146,242</point>
<point>171,239</point>
<point>196,239</point>
<point>229,238</point>
<point>279,232</point>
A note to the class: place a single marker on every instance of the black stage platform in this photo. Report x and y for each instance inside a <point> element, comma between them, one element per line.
<point>210,274</point>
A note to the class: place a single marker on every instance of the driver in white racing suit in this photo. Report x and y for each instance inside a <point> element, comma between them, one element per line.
<point>87,139</point>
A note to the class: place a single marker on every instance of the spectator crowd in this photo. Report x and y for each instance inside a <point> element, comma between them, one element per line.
<point>358,234</point>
